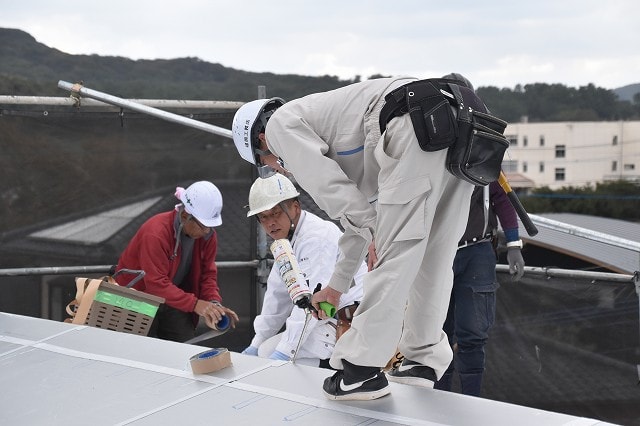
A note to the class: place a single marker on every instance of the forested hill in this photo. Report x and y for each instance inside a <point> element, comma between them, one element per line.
<point>29,68</point>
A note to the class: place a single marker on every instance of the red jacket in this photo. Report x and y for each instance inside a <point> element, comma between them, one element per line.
<point>151,250</point>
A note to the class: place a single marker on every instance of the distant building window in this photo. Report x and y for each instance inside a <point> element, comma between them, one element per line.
<point>524,167</point>
<point>510,166</point>
<point>560,174</point>
<point>541,167</point>
<point>614,166</point>
<point>513,139</point>
<point>541,140</point>
<point>525,141</point>
<point>629,166</point>
<point>615,140</point>
<point>560,151</point>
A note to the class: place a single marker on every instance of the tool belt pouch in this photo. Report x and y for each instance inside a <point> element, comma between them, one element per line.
<point>476,156</point>
<point>345,315</point>
<point>431,115</point>
<point>474,139</point>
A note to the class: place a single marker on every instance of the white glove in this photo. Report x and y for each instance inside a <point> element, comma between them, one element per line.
<point>516,263</point>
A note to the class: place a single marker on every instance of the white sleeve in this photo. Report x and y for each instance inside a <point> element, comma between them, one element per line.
<point>316,258</point>
<point>293,331</point>
<point>276,307</point>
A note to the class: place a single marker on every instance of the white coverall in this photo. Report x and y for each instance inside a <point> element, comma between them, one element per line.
<point>331,143</point>
<point>315,246</point>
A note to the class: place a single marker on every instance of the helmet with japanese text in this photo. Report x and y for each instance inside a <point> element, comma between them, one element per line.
<point>249,121</point>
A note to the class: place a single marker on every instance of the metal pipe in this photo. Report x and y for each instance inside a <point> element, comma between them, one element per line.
<point>155,112</point>
<point>570,273</point>
<point>586,233</point>
<point>56,270</point>
<point>156,103</point>
<point>101,269</point>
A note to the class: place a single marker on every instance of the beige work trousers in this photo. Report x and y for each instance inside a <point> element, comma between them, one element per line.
<point>422,212</point>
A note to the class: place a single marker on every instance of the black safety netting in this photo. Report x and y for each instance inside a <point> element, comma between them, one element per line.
<point>568,345</point>
<point>59,164</point>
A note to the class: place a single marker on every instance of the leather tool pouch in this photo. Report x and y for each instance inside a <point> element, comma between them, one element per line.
<point>431,115</point>
<point>477,154</point>
<point>473,136</point>
<point>345,315</point>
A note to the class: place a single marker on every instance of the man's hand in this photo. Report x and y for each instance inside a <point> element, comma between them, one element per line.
<point>327,294</point>
<point>213,313</point>
<point>372,259</point>
<point>516,263</point>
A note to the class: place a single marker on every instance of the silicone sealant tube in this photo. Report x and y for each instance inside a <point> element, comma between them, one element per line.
<point>289,270</point>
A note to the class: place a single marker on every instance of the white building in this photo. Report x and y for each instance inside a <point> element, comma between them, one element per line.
<point>571,153</point>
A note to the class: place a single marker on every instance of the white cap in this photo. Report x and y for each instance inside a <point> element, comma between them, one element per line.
<point>203,201</point>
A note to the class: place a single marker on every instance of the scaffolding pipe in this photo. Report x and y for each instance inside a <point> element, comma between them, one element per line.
<point>71,101</point>
<point>104,269</point>
<point>570,273</point>
<point>101,269</point>
<point>80,91</point>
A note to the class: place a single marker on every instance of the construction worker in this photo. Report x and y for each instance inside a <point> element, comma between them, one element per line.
<point>473,298</point>
<point>177,251</point>
<point>274,201</point>
<point>334,146</point>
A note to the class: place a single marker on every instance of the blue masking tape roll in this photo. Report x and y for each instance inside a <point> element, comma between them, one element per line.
<point>208,354</point>
<point>224,323</point>
<point>210,360</point>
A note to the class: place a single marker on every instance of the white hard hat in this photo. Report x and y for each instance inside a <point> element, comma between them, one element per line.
<point>266,193</point>
<point>248,122</point>
<point>203,201</point>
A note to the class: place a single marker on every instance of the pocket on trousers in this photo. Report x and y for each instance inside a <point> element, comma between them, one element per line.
<point>484,301</point>
<point>403,206</point>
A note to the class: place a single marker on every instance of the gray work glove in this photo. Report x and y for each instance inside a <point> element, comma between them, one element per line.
<point>516,263</point>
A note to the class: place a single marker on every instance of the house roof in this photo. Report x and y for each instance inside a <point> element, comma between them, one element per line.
<point>624,260</point>
<point>517,180</point>
<point>99,235</point>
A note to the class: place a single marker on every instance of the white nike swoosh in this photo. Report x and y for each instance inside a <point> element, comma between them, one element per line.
<point>405,367</point>
<point>345,387</point>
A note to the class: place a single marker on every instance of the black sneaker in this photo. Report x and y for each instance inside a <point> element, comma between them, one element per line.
<point>363,389</point>
<point>413,373</point>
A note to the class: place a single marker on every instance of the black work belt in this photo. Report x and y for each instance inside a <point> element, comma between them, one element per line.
<point>475,240</point>
<point>424,100</point>
<point>445,115</point>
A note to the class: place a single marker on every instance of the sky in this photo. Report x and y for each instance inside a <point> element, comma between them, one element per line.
<point>492,42</point>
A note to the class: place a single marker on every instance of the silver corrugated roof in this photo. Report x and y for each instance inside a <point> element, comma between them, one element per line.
<point>623,260</point>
